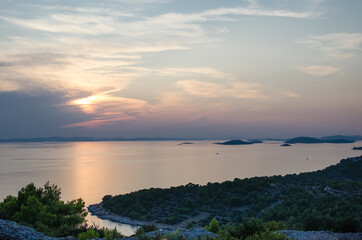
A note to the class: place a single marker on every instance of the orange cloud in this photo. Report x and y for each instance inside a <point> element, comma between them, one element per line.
<point>107,109</point>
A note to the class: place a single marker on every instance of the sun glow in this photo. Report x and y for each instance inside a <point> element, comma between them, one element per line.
<point>88,104</point>
<point>85,101</point>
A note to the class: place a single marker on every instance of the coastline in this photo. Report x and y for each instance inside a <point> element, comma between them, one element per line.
<point>99,211</point>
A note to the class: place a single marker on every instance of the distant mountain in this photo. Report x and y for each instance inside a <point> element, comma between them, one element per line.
<point>354,137</point>
<point>235,142</point>
<point>86,139</point>
<point>317,140</point>
<point>256,140</point>
<point>272,139</point>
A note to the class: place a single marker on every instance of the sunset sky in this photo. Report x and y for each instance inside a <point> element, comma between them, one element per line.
<point>191,68</point>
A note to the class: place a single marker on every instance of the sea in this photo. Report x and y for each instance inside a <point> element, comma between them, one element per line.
<point>90,170</point>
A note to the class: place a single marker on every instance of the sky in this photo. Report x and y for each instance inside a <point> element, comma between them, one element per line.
<point>180,68</point>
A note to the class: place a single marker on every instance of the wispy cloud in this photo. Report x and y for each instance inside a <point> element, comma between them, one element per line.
<point>206,71</point>
<point>93,54</point>
<point>7,86</point>
<point>291,94</point>
<point>261,12</point>
<point>106,109</point>
<point>212,90</point>
<point>318,70</point>
<point>336,46</point>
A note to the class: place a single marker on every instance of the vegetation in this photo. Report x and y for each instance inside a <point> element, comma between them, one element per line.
<point>330,199</point>
<point>42,209</point>
<point>213,226</point>
<point>252,229</point>
<point>89,234</point>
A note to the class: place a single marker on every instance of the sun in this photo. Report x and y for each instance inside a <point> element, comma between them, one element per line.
<point>85,101</point>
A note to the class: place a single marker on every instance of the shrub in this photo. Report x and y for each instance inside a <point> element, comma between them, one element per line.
<point>111,234</point>
<point>89,234</point>
<point>213,226</point>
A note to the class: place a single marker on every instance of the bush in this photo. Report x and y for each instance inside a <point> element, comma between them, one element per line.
<point>253,229</point>
<point>213,226</point>
<point>89,234</point>
<point>149,228</point>
<point>112,234</point>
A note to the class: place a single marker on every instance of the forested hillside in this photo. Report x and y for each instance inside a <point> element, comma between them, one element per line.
<point>329,199</point>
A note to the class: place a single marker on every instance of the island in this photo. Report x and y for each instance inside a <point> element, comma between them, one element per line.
<point>327,199</point>
<point>235,142</point>
<point>185,143</point>
<point>317,140</point>
<point>286,145</point>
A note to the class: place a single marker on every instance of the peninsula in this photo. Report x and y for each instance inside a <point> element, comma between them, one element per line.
<point>297,200</point>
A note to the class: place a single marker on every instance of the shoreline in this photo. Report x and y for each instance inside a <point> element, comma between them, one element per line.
<point>99,211</point>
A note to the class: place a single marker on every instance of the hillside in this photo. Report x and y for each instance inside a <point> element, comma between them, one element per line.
<point>328,199</point>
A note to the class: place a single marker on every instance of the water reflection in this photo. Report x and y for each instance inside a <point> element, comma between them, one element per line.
<point>90,170</point>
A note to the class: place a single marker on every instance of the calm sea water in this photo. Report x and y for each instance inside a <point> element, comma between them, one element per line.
<point>90,170</point>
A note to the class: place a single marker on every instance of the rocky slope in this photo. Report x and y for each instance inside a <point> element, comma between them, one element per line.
<point>10,230</point>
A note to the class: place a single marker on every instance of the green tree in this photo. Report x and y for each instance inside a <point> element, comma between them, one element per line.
<point>43,210</point>
<point>213,226</point>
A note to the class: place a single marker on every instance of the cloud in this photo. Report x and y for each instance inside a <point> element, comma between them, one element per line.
<point>96,21</point>
<point>260,12</point>
<point>318,71</point>
<point>207,71</point>
<point>106,109</point>
<point>291,94</point>
<point>36,115</point>
<point>336,46</point>
<point>6,86</point>
<point>61,23</point>
<point>213,90</point>
<point>90,55</point>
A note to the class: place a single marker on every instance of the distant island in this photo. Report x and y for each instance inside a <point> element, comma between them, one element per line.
<point>328,139</point>
<point>317,140</point>
<point>285,145</point>
<point>185,143</point>
<point>87,139</point>
<point>353,137</point>
<point>235,142</point>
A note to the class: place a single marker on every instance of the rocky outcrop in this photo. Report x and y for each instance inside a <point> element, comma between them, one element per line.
<point>198,233</point>
<point>321,235</point>
<point>10,230</point>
